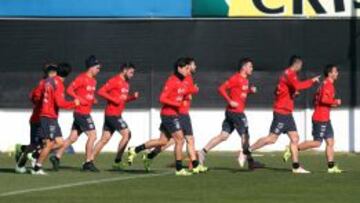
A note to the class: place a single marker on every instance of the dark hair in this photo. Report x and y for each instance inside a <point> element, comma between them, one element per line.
<point>180,62</point>
<point>91,61</point>
<point>294,59</point>
<point>50,67</point>
<point>328,68</point>
<point>244,61</point>
<point>189,60</point>
<point>127,65</point>
<point>64,69</point>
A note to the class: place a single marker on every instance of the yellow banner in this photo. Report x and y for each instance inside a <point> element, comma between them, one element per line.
<point>292,8</point>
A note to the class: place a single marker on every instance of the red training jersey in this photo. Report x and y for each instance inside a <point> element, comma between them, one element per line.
<point>83,88</point>
<point>35,97</point>
<point>324,99</point>
<point>116,92</point>
<point>286,89</point>
<point>238,87</point>
<point>54,98</point>
<point>191,89</point>
<point>172,96</point>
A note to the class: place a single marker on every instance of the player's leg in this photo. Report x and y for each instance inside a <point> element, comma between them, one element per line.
<point>330,142</point>
<point>294,142</point>
<point>277,127</point>
<point>126,136</point>
<point>105,138</point>
<point>153,143</point>
<point>179,144</point>
<point>73,137</point>
<point>227,129</point>
<point>89,147</point>
<point>48,145</point>
<point>263,141</point>
<point>157,150</point>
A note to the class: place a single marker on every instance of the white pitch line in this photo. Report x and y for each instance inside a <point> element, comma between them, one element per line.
<point>16,192</point>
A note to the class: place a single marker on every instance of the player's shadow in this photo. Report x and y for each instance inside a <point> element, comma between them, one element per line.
<point>277,169</point>
<point>130,171</point>
<point>68,168</point>
<point>231,170</point>
<point>7,170</point>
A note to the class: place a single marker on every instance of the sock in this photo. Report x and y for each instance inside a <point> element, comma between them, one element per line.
<point>37,167</point>
<point>178,165</point>
<point>204,150</point>
<point>23,147</point>
<point>139,148</point>
<point>295,165</point>
<point>154,153</point>
<point>36,155</point>
<point>117,160</point>
<point>195,163</point>
<point>331,164</point>
<point>22,160</point>
<point>250,159</point>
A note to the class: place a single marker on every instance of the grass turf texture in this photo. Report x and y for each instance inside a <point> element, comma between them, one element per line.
<point>225,182</point>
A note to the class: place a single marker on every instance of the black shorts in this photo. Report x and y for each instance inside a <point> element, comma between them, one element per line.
<point>322,130</point>
<point>83,123</point>
<point>35,133</point>
<point>50,128</point>
<point>113,123</point>
<point>236,121</point>
<point>169,125</point>
<point>282,124</point>
<point>185,122</point>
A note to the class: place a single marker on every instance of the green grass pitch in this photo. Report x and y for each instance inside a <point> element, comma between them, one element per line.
<point>225,182</point>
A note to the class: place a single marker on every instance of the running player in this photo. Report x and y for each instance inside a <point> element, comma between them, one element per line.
<point>171,99</point>
<point>52,100</point>
<point>31,151</point>
<point>82,88</point>
<point>283,121</point>
<point>239,88</point>
<point>324,100</point>
<point>116,92</point>
<point>185,123</point>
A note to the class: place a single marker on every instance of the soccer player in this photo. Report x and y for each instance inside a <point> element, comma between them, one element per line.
<point>82,88</point>
<point>185,123</point>
<point>52,100</point>
<point>32,151</point>
<point>171,99</point>
<point>116,92</point>
<point>235,91</point>
<point>324,100</point>
<point>283,121</point>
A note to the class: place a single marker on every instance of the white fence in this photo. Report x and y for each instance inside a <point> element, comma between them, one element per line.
<point>206,123</point>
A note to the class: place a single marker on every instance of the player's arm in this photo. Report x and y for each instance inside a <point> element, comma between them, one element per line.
<point>36,93</point>
<point>327,98</point>
<point>164,97</point>
<point>60,98</point>
<point>132,97</point>
<point>72,88</point>
<point>301,85</point>
<point>252,89</point>
<point>104,92</point>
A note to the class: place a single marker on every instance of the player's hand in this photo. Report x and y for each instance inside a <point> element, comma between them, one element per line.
<point>196,87</point>
<point>123,97</point>
<point>338,102</point>
<point>136,95</point>
<point>316,79</point>
<point>95,101</point>
<point>253,89</point>
<point>297,93</point>
<point>233,104</point>
<point>77,102</point>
